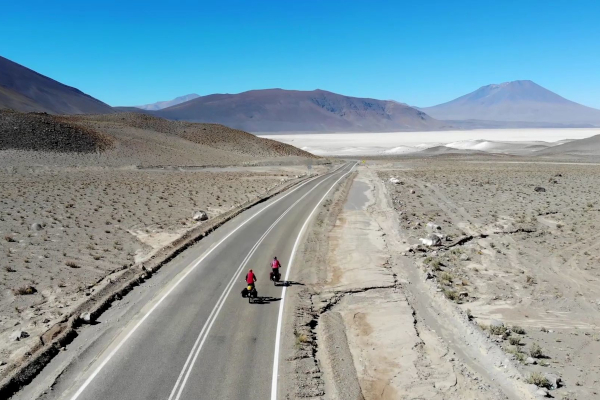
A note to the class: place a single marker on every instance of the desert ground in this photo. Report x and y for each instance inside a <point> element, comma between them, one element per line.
<point>98,195</point>
<point>503,300</point>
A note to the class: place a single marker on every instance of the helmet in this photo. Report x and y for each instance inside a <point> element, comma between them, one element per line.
<point>274,258</point>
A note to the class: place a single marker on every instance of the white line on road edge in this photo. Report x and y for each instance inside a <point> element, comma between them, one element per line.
<point>114,351</point>
<point>287,274</point>
<point>195,352</point>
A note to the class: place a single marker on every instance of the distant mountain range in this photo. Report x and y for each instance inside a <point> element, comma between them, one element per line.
<point>518,104</point>
<point>278,110</point>
<point>517,101</point>
<point>25,90</point>
<point>164,104</point>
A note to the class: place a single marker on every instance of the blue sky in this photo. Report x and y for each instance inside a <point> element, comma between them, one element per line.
<point>422,53</point>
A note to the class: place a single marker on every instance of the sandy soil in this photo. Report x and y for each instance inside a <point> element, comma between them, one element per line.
<point>94,222</point>
<point>511,255</point>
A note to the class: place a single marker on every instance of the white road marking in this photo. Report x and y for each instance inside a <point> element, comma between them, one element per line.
<point>287,274</point>
<point>118,347</point>
<point>195,352</point>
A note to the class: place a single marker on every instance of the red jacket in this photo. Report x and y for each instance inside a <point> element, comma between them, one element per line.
<point>250,278</point>
<point>275,264</point>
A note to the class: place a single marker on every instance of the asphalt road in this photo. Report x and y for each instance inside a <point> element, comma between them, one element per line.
<point>197,338</point>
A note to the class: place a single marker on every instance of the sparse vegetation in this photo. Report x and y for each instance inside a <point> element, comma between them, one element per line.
<point>538,379</point>
<point>451,295</point>
<point>536,351</point>
<point>72,264</point>
<point>517,329</point>
<point>497,330</point>
<point>514,340</point>
<point>24,290</point>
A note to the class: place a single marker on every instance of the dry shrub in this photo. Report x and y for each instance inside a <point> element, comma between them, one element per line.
<point>536,378</point>
<point>24,290</point>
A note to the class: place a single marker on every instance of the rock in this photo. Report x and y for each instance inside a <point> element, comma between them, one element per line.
<point>464,257</point>
<point>541,392</point>
<point>18,335</point>
<point>85,317</point>
<point>200,216</point>
<point>395,181</point>
<point>2,363</point>
<point>431,240</point>
<point>539,189</point>
<point>530,361</point>
<point>496,324</point>
<point>412,191</point>
<point>554,380</point>
<point>440,235</point>
<point>463,295</point>
<point>431,227</point>
<point>51,333</point>
<point>36,226</point>
<point>429,274</point>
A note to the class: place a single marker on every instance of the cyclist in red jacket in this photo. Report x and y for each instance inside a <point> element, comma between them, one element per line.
<point>275,266</point>
<point>251,278</point>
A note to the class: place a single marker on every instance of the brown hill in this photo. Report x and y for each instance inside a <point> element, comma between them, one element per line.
<point>25,90</point>
<point>131,139</point>
<point>45,132</point>
<point>278,110</point>
<point>215,136</point>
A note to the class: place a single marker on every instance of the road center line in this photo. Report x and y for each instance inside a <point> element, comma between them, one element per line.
<point>287,274</point>
<point>132,331</point>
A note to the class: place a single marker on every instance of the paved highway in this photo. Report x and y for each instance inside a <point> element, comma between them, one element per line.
<point>196,338</point>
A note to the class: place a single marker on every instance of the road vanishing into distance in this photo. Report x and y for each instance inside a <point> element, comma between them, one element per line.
<point>196,337</point>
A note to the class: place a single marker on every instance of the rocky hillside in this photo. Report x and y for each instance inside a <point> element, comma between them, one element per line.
<point>45,132</point>
<point>211,135</point>
<point>131,139</point>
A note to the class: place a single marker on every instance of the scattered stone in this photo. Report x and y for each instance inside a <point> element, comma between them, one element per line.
<point>200,216</point>
<point>464,257</point>
<point>431,240</point>
<point>395,181</point>
<point>86,317</point>
<point>539,189</point>
<point>530,361</point>
<point>541,392</point>
<point>36,226</point>
<point>18,335</point>
<point>555,381</point>
<point>431,227</point>
<point>412,191</point>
